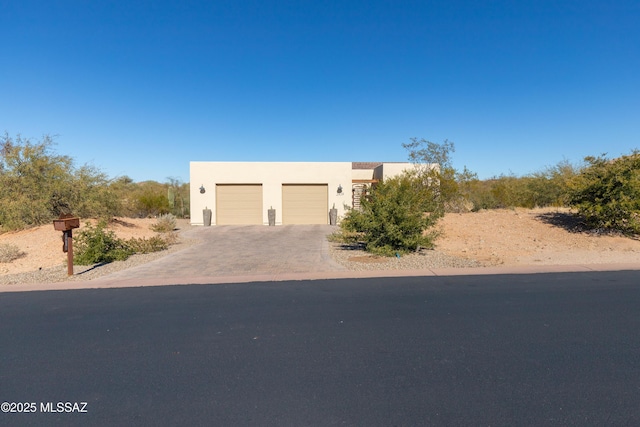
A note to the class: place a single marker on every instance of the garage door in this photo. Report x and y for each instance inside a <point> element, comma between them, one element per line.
<point>305,204</point>
<point>238,204</point>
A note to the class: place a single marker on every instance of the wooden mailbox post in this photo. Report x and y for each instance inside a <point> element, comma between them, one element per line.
<point>66,224</point>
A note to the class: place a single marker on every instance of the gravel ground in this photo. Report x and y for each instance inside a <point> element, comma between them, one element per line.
<point>88,272</point>
<point>356,259</point>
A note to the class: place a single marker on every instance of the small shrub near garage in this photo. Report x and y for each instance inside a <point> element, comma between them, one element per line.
<point>9,252</point>
<point>166,226</point>
<point>396,218</point>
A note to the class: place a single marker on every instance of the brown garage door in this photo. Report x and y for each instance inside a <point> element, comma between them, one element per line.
<point>238,204</point>
<point>305,204</point>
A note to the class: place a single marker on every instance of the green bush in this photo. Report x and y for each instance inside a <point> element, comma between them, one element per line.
<point>37,185</point>
<point>9,252</point>
<point>96,244</point>
<point>396,217</point>
<point>433,164</point>
<point>151,199</point>
<point>99,245</point>
<point>549,187</point>
<point>607,193</point>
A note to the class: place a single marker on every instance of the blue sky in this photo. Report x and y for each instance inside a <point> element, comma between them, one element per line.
<point>140,88</point>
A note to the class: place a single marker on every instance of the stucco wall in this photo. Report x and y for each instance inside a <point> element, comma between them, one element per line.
<point>389,170</point>
<point>362,174</point>
<point>271,175</point>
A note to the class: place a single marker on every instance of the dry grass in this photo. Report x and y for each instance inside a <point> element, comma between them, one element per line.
<point>10,252</point>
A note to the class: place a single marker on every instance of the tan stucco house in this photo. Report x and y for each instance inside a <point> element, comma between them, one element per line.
<point>298,192</point>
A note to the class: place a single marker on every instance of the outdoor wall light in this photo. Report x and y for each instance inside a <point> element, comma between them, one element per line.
<point>202,190</point>
<point>339,189</point>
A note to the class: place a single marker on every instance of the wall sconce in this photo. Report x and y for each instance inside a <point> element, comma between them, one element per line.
<point>202,190</point>
<point>339,189</point>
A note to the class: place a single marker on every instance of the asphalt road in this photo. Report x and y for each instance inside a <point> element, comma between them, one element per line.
<point>544,349</point>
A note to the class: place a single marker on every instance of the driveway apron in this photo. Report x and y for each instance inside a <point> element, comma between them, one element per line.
<point>243,250</point>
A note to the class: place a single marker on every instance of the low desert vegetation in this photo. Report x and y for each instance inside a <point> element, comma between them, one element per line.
<point>606,193</point>
<point>398,215</point>
<point>147,245</point>
<point>37,185</point>
<point>97,244</point>
<point>10,252</point>
<point>548,187</point>
<point>165,224</point>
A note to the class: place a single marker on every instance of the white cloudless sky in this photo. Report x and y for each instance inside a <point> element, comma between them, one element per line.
<point>141,88</point>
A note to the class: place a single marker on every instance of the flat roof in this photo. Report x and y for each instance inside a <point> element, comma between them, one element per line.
<point>365,165</point>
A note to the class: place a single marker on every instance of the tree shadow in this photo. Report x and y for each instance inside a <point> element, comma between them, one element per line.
<point>575,223</point>
<point>94,267</point>
<point>123,223</point>
<point>352,246</point>
<point>571,222</point>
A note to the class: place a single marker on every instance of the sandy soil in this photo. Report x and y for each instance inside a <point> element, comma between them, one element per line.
<point>531,237</point>
<point>496,237</point>
<point>43,245</point>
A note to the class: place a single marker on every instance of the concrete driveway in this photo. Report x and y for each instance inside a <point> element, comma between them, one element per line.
<point>252,250</point>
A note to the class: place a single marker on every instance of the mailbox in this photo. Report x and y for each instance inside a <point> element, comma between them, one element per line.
<point>66,224</point>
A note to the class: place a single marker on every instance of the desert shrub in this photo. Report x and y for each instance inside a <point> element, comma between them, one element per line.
<point>165,224</point>
<point>560,177</point>
<point>9,252</point>
<point>170,238</point>
<point>511,191</point>
<point>99,245</point>
<point>178,197</point>
<point>145,246</point>
<point>548,187</point>
<point>96,244</point>
<point>150,204</point>
<point>37,185</point>
<point>433,163</point>
<point>94,196</point>
<point>607,193</point>
<point>480,195</point>
<point>151,199</point>
<point>396,217</point>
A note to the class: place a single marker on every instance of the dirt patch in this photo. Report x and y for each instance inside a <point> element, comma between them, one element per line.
<point>43,245</point>
<point>531,237</point>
